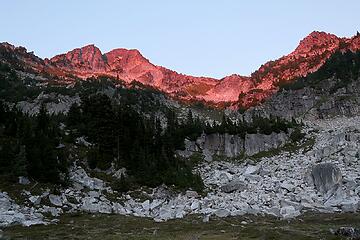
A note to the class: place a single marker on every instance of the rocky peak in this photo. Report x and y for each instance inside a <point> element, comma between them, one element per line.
<point>123,60</point>
<point>126,56</point>
<point>7,45</point>
<point>316,40</point>
<point>87,58</point>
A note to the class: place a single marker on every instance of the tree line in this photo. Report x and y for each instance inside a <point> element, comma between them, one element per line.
<point>120,136</point>
<point>30,146</point>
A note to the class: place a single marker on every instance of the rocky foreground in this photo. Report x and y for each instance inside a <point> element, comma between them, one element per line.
<point>321,175</point>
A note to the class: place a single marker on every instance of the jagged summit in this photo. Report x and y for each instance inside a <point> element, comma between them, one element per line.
<point>130,65</point>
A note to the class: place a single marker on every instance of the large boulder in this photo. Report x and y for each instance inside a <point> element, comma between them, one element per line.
<point>326,177</point>
<point>222,213</point>
<point>80,178</point>
<point>235,185</point>
<point>289,212</point>
<point>56,200</point>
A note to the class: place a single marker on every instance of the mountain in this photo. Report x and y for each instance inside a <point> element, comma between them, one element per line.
<point>311,53</point>
<point>232,91</point>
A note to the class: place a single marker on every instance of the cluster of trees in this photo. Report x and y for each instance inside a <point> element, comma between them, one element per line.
<point>29,146</point>
<point>121,135</point>
<point>257,125</point>
<point>144,145</point>
<point>12,88</point>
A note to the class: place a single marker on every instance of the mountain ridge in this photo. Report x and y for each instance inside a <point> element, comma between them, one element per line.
<point>231,91</point>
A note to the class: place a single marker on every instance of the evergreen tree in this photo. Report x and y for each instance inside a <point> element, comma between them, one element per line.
<point>20,163</point>
<point>41,149</point>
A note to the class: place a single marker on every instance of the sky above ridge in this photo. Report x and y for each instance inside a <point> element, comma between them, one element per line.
<point>202,38</point>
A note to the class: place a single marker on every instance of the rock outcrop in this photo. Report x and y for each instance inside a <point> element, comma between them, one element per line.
<point>233,146</point>
<point>326,177</point>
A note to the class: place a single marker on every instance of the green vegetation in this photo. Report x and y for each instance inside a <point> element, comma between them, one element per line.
<point>258,125</point>
<point>29,146</point>
<point>298,143</point>
<point>12,88</point>
<point>121,135</point>
<point>297,135</point>
<point>111,227</point>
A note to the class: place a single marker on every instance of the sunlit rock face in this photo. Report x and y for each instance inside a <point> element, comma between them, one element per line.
<point>87,59</point>
<point>130,65</point>
<point>231,91</point>
<point>311,53</point>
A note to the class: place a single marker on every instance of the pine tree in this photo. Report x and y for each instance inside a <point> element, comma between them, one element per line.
<point>74,117</point>
<point>189,119</point>
<point>20,163</point>
<point>41,149</point>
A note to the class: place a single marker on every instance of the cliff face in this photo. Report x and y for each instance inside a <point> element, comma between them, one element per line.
<point>233,146</point>
<point>234,90</point>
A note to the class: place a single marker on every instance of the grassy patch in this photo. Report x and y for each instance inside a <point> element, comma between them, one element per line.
<point>292,147</point>
<point>87,226</point>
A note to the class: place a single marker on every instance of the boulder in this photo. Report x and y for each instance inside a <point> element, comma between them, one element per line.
<point>191,194</point>
<point>206,219</point>
<point>285,203</point>
<point>24,180</point>
<point>146,205</point>
<point>235,185</point>
<point>55,200</point>
<point>326,177</point>
<point>351,205</point>
<point>80,179</point>
<point>117,208</point>
<point>165,213</point>
<point>121,173</point>
<point>179,211</point>
<point>222,212</point>
<point>195,205</point>
<point>289,187</point>
<point>36,200</point>
<point>163,192</point>
<point>156,203</point>
<point>274,211</point>
<point>289,212</point>
<point>251,170</point>
<point>92,205</point>
<point>55,212</point>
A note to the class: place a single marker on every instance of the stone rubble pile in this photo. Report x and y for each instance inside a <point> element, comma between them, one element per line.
<point>11,213</point>
<point>322,178</point>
